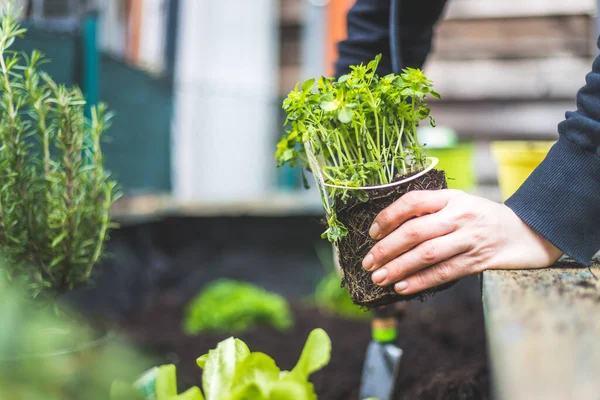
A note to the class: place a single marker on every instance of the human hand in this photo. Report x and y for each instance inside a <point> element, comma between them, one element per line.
<point>428,238</point>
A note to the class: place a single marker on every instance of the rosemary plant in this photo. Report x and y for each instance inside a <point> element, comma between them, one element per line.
<point>55,194</point>
<point>361,127</point>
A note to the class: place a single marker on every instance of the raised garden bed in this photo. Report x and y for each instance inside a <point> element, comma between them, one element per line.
<point>543,328</point>
<point>444,344</point>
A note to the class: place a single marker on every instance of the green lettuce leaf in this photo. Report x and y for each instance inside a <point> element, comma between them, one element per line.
<point>250,391</point>
<point>292,390</point>
<point>315,355</point>
<point>258,369</point>
<point>220,366</point>
<point>166,386</point>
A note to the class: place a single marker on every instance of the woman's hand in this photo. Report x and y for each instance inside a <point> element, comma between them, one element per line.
<point>428,238</point>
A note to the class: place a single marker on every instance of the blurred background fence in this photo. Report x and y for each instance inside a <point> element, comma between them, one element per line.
<point>197,85</point>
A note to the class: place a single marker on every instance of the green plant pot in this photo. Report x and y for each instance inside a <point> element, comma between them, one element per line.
<point>458,163</point>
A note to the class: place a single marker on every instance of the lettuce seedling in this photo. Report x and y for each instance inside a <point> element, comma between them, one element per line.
<point>232,306</point>
<point>233,372</point>
<point>162,386</point>
<point>329,294</point>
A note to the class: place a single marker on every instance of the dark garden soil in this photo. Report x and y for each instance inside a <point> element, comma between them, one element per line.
<point>444,349</point>
<point>358,216</point>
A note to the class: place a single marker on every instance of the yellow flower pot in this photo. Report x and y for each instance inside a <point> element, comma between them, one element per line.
<point>516,161</point>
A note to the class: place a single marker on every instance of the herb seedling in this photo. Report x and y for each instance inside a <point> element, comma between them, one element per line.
<point>361,127</point>
<point>358,136</point>
<point>55,195</point>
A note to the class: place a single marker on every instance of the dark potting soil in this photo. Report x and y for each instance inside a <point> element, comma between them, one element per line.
<point>358,216</point>
<point>444,349</point>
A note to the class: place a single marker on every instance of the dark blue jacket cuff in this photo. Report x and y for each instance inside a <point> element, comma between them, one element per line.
<point>560,200</point>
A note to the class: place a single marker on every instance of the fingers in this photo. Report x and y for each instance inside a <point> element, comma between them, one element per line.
<point>431,252</point>
<point>407,236</point>
<point>436,275</point>
<point>412,204</point>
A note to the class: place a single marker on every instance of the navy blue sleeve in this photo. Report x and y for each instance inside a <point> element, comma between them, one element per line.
<point>561,198</point>
<point>417,22</point>
<point>368,35</point>
<point>369,25</point>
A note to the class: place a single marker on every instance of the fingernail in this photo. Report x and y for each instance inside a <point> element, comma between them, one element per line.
<point>368,262</point>
<point>374,231</point>
<point>379,276</point>
<point>401,286</point>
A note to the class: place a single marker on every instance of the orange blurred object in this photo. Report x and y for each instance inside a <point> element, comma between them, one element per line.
<point>336,22</point>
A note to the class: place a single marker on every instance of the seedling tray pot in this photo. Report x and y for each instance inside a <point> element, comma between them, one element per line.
<point>357,216</point>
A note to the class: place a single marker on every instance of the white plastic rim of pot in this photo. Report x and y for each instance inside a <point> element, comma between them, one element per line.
<point>433,162</point>
<point>315,167</point>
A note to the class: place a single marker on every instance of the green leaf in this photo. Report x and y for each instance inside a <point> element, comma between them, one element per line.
<point>249,392</point>
<point>226,305</point>
<point>361,195</point>
<point>307,85</point>
<point>345,115</point>
<point>432,121</point>
<point>219,367</point>
<point>124,391</point>
<point>329,105</point>
<point>292,390</point>
<point>343,78</point>
<point>258,369</point>
<point>315,355</point>
<point>166,382</point>
<point>335,231</point>
<point>59,239</point>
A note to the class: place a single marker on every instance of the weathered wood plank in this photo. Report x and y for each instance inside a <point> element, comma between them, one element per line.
<point>506,120</point>
<point>543,329</point>
<point>292,10</point>
<point>532,79</point>
<point>515,37</point>
<point>461,9</point>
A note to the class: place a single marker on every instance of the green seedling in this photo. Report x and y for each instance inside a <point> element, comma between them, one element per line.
<point>329,294</point>
<point>232,372</point>
<point>362,128</point>
<point>55,195</point>
<point>232,306</point>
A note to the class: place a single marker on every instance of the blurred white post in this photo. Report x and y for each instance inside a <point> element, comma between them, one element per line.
<point>152,34</point>
<point>112,27</point>
<point>225,100</point>
<point>314,31</point>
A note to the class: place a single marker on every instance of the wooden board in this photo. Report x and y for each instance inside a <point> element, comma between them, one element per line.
<point>556,78</point>
<point>503,120</point>
<point>292,10</point>
<point>515,37</point>
<point>462,9</point>
<point>543,328</point>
